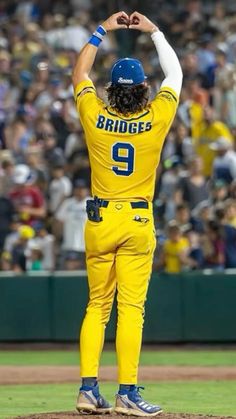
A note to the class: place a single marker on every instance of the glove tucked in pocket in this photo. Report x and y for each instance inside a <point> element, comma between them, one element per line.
<point>93,210</point>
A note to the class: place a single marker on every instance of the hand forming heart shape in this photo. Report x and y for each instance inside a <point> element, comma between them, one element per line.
<point>122,20</point>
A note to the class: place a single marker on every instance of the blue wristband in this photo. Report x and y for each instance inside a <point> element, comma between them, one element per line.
<point>95,41</point>
<point>101,30</point>
<point>97,36</point>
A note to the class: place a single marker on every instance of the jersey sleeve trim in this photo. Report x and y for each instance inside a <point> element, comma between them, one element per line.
<point>169,91</point>
<point>86,90</point>
<point>86,86</point>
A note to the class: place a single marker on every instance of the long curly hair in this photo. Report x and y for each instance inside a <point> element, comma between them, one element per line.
<point>128,99</point>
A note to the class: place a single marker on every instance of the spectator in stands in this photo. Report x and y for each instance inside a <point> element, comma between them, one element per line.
<point>34,160</point>
<point>230,212</point>
<point>224,90</point>
<point>5,88</point>
<point>224,164</point>
<point>190,111</point>
<point>21,250</point>
<point>6,262</point>
<point>6,216</point>
<point>209,131</point>
<point>195,255</point>
<point>219,191</point>
<point>182,216</point>
<point>79,165</point>
<point>46,136</point>
<point>218,18</point>
<point>200,216</point>
<point>45,242</point>
<point>175,250</point>
<point>192,188</point>
<point>229,234</point>
<point>205,55</point>
<point>13,234</point>
<point>6,173</point>
<point>18,135</point>
<point>232,190</point>
<point>183,144</point>
<point>168,185</point>
<point>26,197</point>
<point>35,259</point>
<point>70,222</point>
<point>60,187</point>
<point>214,246</point>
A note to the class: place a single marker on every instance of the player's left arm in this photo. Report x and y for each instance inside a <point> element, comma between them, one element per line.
<point>168,59</point>
<point>167,99</point>
<point>169,63</point>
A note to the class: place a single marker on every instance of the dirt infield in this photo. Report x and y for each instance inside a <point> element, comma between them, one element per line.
<point>69,415</point>
<point>70,374</point>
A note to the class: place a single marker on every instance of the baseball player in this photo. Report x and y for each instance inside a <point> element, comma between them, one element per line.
<point>124,139</point>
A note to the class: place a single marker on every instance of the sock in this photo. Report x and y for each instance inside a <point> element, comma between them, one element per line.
<point>125,388</point>
<point>89,381</point>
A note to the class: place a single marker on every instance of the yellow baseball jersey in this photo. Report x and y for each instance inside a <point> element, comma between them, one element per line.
<point>124,152</point>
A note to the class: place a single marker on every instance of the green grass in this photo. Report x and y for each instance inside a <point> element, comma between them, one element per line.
<point>168,357</point>
<point>207,397</point>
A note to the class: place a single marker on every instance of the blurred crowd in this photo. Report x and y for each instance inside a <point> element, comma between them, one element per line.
<point>44,165</point>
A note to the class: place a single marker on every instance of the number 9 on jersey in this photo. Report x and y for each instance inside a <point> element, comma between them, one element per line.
<point>123,153</point>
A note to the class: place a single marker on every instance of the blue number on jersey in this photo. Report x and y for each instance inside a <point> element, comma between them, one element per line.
<point>128,159</point>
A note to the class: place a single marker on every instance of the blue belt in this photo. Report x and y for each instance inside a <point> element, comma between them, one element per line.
<point>136,204</point>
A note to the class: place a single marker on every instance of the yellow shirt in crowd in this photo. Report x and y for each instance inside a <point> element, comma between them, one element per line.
<point>204,135</point>
<point>172,250</point>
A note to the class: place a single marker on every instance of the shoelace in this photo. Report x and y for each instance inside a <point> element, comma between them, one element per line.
<point>100,399</point>
<point>137,395</point>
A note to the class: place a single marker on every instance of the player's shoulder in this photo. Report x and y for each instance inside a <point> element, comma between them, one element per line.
<point>164,106</point>
<point>166,94</point>
<point>85,86</point>
<point>85,96</point>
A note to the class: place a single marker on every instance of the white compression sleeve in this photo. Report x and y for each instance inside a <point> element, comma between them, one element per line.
<point>169,62</point>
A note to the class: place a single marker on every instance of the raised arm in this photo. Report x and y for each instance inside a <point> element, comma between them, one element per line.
<point>88,53</point>
<point>168,59</point>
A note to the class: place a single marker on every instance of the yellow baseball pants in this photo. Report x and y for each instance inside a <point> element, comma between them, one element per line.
<point>119,254</point>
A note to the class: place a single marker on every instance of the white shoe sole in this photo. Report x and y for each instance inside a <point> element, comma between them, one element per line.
<point>89,409</point>
<point>133,412</point>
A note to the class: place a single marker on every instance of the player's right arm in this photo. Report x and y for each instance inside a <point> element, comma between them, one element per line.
<point>88,53</point>
<point>80,77</point>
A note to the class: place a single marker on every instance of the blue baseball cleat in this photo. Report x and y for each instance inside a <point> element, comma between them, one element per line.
<point>131,403</point>
<point>90,401</point>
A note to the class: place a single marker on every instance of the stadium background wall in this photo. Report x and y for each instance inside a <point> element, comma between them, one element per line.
<point>191,307</point>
